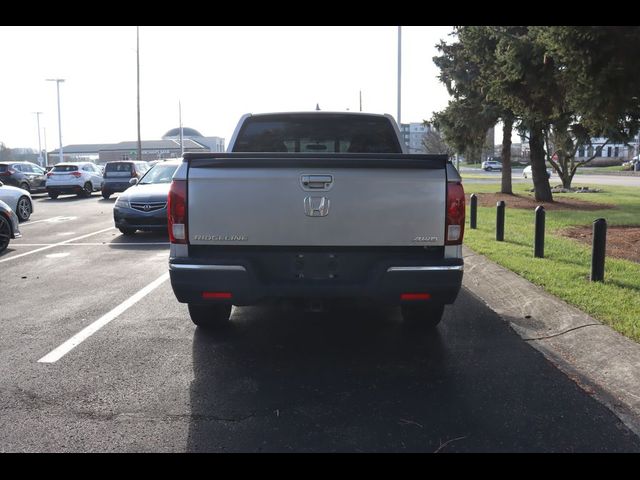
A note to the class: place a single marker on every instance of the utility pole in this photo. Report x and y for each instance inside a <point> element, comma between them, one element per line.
<point>360,100</point>
<point>46,154</point>
<point>399,73</point>
<point>138,85</point>
<point>58,80</point>
<point>40,161</point>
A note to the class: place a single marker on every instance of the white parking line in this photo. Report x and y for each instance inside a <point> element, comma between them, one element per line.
<point>58,255</point>
<point>85,333</point>
<point>95,244</point>
<point>26,224</point>
<point>57,219</point>
<point>56,244</point>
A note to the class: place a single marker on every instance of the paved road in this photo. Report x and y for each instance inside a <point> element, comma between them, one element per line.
<point>277,380</point>
<point>620,180</point>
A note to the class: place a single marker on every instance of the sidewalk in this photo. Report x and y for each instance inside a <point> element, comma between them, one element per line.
<point>601,361</point>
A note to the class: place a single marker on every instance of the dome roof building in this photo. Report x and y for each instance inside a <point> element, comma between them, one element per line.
<point>186,132</point>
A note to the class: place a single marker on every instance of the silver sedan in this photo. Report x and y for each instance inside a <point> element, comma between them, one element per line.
<point>19,201</point>
<point>8,226</point>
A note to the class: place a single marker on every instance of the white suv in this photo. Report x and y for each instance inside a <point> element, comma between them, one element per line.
<point>490,165</point>
<point>81,178</point>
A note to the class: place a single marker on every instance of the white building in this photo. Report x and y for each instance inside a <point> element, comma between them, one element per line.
<point>214,144</point>
<point>413,134</point>
<point>613,153</point>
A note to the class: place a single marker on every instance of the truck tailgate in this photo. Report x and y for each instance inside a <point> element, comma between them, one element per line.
<point>345,200</point>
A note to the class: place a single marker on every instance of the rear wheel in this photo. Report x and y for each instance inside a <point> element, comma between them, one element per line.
<point>53,196</point>
<point>424,316</point>
<point>106,195</point>
<point>87,190</point>
<point>25,186</point>
<point>5,233</point>
<point>210,316</point>
<point>127,231</point>
<point>24,208</point>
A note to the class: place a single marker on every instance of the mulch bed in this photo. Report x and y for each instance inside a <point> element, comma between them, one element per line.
<point>622,241</point>
<point>529,202</point>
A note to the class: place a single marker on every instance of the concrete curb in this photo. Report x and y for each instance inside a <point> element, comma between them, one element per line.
<point>601,361</point>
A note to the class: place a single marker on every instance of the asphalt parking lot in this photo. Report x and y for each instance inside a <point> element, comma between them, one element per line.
<point>142,378</point>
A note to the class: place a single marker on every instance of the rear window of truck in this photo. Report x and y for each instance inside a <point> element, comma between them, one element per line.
<point>317,134</point>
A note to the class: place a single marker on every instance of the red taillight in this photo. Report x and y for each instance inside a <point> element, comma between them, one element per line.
<point>7,173</point>
<point>454,226</point>
<point>177,211</point>
<point>215,295</point>
<point>415,296</point>
<point>49,174</point>
<point>76,174</point>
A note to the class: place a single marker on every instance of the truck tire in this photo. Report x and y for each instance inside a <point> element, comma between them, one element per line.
<point>423,316</point>
<point>5,232</point>
<point>210,316</point>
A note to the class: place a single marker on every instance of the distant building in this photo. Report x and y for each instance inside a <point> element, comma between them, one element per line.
<point>214,144</point>
<point>610,154</point>
<point>168,147</point>
<point>151,150</point>
<point>413,134</point>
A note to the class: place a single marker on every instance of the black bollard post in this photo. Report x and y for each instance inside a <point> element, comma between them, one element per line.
<point>473,210</point>
<point>598,249</point>
<point>500,221</point>
<point>538,248</point>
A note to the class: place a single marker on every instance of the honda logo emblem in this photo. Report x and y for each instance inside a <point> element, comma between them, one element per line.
<point>316,206</point>
<point>146,207</point>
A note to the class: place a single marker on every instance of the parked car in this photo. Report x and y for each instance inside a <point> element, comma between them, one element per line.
<point>81,178</point>
<point>526,173</point>
<point>8,225</point>
<point>19,201</point>
<point>25,175</point>
<point>117,175</point>
<point>144,205</point>
<point>491,165</point>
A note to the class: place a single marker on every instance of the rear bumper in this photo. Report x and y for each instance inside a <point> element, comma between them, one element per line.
<point>131,218</point>
<point>383,280</point>
<point>114,187</point>
<point>65,189</point>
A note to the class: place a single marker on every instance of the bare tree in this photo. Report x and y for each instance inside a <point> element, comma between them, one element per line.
<point>434,142</point>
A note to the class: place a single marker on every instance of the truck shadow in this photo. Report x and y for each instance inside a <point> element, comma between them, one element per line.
<point>289,380</point>
<point>140,241</point>
<point>357,380</point>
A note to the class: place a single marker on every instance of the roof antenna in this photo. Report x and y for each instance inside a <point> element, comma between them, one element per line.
<point>317,106</point>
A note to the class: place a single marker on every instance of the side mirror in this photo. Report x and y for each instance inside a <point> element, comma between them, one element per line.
<point>133,181</point>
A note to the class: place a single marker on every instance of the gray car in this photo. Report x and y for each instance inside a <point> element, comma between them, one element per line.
<point>144,205</point>
<point>8,226</point>
<point>117,175</point>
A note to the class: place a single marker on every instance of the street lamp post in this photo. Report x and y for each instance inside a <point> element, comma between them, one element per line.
<point>58,80</point>
<point>46,154</point>
<point>399,73</point>
<point>40,161</point>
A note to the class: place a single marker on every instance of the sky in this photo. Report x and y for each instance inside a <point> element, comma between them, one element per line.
<point>216,73</point>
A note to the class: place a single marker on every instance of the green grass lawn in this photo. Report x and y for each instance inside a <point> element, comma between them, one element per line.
<point>599,170</point>
<point>565,270</point>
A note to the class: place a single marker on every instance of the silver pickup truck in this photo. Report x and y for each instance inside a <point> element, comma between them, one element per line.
<point>316,206</point>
